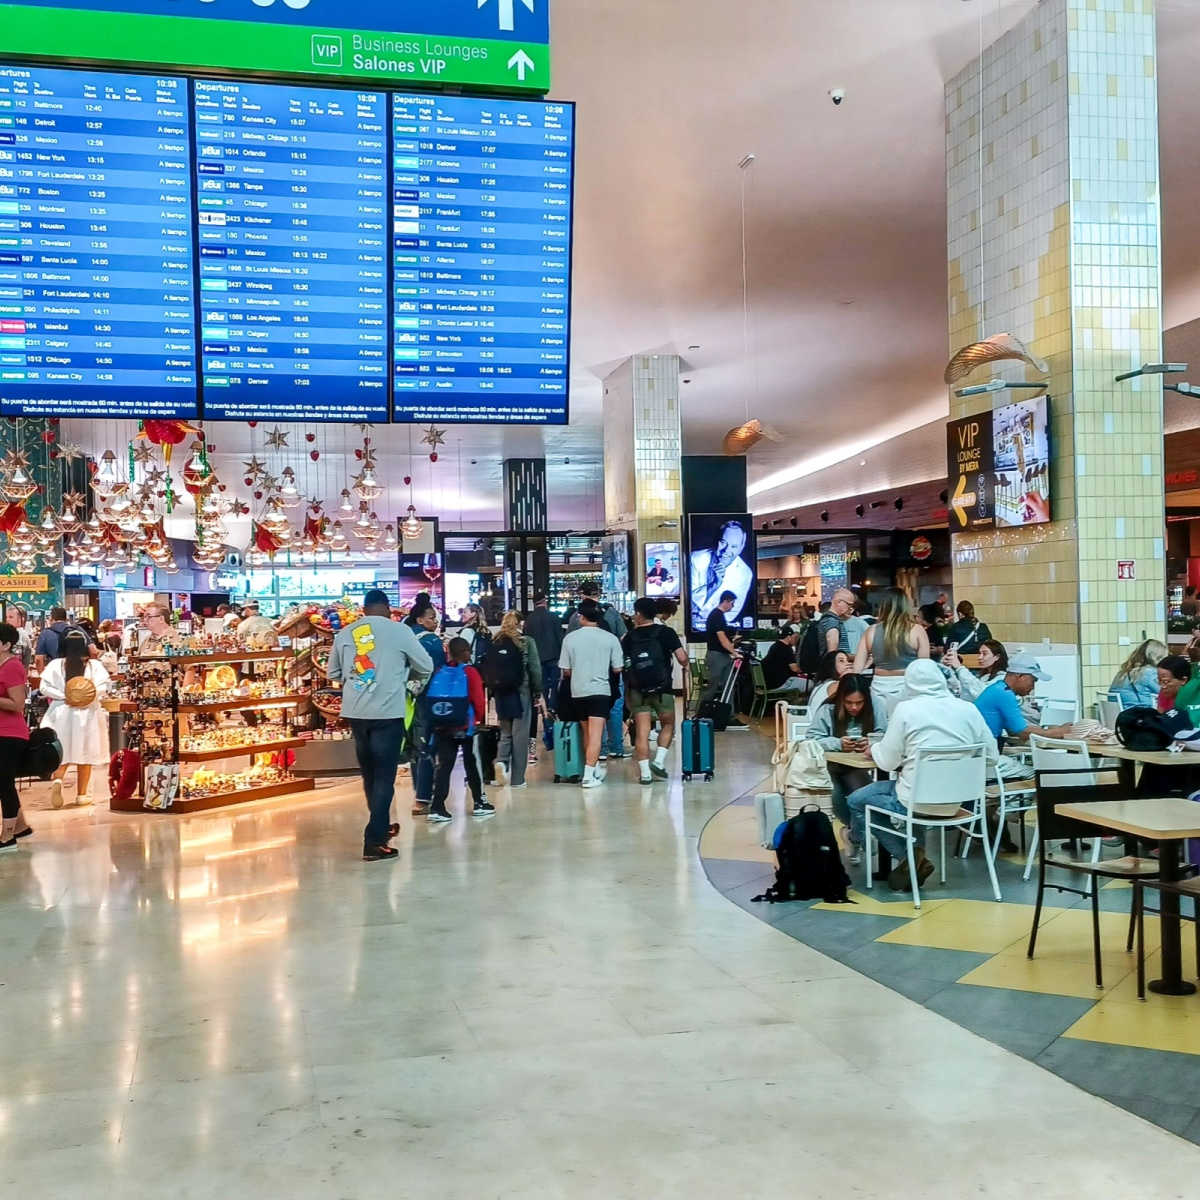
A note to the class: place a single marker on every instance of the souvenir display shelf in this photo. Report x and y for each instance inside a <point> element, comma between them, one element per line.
<point>173,715</point>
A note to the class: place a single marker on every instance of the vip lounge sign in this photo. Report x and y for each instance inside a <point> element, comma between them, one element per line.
<point>464,43</point>
<point>970,456</point>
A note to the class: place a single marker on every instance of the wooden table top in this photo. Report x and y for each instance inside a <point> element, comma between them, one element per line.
<point>850,758</point>
<point>1168,819</point>
<point>1162,758</point>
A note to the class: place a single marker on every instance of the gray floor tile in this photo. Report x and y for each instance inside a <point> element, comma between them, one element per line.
<point>1023,1022</point>
<point>1124,1072</point>
<point>727,873</point>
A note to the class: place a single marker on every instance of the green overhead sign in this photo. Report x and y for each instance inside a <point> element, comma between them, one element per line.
<point>500,44</point>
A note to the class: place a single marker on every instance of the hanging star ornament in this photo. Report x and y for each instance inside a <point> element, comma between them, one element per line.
<point>155,477</point>
<point>277,439</point>
<point>70,451</point>
<point>434,437</point>
<point>14,460</point>
<point>143,454</point>
<point>73,500</point>
<point>255,467</point>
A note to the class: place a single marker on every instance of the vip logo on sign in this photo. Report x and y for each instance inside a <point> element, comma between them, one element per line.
<point>326,49</point>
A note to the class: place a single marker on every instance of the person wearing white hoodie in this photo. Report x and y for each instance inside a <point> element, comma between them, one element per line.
<point>929,716</point>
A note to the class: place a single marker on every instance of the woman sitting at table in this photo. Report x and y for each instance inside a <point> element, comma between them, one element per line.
<point>993,661</point>
<point>834,665</point>
<point>1173,672</point>
<point>846,725</point>
<point>1136,683</point>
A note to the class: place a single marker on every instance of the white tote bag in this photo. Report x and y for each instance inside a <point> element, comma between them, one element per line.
<point>800,771</point>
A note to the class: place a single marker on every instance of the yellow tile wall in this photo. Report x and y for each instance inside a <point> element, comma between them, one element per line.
<point>1070,131</point>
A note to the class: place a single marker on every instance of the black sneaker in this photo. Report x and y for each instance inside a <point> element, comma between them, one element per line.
<point>659,772</point>
<point>736,724</point>
<point>439,816</point>
<point>484,809</point>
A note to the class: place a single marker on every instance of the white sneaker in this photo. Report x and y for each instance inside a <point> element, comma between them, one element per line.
<point>56,795</point>
<point>591,782</point>
<point>501,770</point>
<point>601,774</point>
<point>84,799</point>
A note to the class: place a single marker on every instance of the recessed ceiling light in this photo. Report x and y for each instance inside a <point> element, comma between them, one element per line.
<point>693,347</point>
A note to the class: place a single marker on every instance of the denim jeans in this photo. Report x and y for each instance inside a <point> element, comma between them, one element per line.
<point>878,795</point>
<point>377,745</point>
<point>846,780</point>
<point>613,741</point>
<point>422,754</point>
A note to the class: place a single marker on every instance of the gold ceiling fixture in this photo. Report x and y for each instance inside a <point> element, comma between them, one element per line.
<point>747,436</point>
<point>1001,347</point>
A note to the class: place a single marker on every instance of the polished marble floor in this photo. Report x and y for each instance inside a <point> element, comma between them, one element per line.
<point>551,1003</point>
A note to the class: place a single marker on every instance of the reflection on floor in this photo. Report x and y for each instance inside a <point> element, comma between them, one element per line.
<point>553,1003</point>
<point>963,955</point>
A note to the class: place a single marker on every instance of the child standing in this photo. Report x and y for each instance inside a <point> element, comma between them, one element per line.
<point>456,706</point>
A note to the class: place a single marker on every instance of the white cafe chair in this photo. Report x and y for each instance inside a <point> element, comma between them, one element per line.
<point>949,772</point>
<point>1109,709</point>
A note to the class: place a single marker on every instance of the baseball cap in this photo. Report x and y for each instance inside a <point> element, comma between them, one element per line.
<point>1026,664</point>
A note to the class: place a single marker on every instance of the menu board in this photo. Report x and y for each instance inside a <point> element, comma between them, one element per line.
<point>96,286</point>
<point>481,259</point>
<point>292,210</point>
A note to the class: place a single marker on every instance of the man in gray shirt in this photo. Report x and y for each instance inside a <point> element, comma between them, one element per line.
<point>592,658</point>
<point>373,658</point>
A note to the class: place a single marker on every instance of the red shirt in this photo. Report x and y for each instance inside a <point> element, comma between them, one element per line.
<point>12,724</point>
<point>475,695</point>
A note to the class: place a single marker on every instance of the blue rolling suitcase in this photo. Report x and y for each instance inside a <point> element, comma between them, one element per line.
<point>698,748</point>
<point>568,751</point>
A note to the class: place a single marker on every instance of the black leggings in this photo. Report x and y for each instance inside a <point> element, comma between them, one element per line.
<point>12,757</point>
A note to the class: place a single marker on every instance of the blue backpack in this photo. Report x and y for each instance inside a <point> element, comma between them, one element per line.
<point>449,700</point>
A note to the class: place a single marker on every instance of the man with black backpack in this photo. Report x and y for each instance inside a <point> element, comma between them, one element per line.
<point>650,652</point>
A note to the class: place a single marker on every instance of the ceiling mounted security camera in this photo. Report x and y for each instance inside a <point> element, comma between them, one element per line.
<point>837,95</point>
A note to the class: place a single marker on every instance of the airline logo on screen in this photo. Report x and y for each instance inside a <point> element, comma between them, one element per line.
<point>486,43</point>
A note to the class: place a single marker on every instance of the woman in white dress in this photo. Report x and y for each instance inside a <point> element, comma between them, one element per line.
<point>82,728</point>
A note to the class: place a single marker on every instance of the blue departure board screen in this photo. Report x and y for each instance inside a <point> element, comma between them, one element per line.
<point>96,265</point>
<point>481,225</point>
<point>292,239</point>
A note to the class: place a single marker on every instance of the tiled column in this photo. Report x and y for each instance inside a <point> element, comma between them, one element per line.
<point>642,451</point>
<point>1052,177</point>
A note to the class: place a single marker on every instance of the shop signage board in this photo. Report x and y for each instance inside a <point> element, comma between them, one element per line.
<point>999,467</point>
<point>25,583</point>
<point>489,44</point>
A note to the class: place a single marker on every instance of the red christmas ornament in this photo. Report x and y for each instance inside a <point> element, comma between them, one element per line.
<point>54,454</point>
<point>220,487</point>
<point>11,515</point>
<point>258,495</point>
<point>407,480</point>
<point>54,421</point>
<point>211,448</point>
<point>167,434</point>
<point>48,437</point>
<point>314,454</point>
<point>248,481</point>
<point>252,424</point>
<point>358,454</point>
<point>310,437</point>
<point>433,457</point>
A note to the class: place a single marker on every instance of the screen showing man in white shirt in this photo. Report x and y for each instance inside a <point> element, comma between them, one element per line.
<point>721,566</point>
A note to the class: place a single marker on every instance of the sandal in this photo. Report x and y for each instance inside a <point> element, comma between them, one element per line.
<point>378,853</point>
<point>393,829</point>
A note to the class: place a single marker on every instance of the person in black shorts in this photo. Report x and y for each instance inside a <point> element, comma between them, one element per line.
<point>651,651</point>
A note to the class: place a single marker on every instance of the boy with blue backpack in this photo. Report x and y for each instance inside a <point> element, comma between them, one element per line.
<point>456,705</point>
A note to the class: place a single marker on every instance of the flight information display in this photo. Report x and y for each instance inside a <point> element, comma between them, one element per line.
<point>293,247</point>
<point>96,277</point>
<point>481,225</point>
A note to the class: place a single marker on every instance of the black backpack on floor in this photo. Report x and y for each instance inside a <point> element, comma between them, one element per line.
<point>1145,728</point>
<point>810,867</point>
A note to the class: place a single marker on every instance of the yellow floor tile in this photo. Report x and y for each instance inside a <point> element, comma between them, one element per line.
<point>1126,991</point>
<point>1067,933</point>
<point>871,906</point>
<point>982,926</point>
<point>1152,1025</point>
<point>733,833</point>
<point>1051,976</point>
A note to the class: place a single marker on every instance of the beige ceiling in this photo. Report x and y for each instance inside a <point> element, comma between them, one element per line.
<point>845,215</point>
<point>846,237</point>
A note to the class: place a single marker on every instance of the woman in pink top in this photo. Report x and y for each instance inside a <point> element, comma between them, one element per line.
<point>14,737</point>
